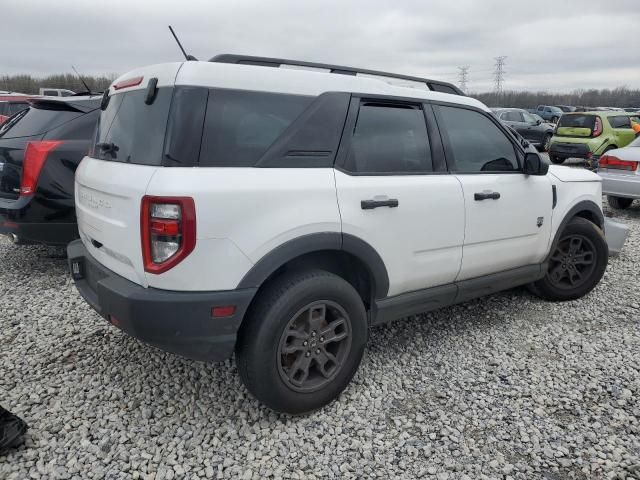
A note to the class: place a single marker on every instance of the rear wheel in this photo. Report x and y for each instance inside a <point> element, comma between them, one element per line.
<point>619,203</point>
<point>577,263</point>
<point>555,159</point>
<point>302,341</point>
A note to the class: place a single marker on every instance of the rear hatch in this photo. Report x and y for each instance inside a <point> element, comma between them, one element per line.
<point>113,179</point>
<point>576,125</point>
<point>30,125</point>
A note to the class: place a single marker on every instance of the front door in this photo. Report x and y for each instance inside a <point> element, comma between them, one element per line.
<point>508,214</point>
<point>395,194</point>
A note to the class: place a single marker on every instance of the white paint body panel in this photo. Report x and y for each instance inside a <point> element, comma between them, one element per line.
<point>503,234</point>
<point>420,241</point>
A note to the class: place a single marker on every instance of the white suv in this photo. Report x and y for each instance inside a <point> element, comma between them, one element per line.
<point>280,212</point>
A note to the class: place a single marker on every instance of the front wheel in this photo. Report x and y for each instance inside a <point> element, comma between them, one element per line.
<point>577,264</point>
<point>619,203</point>
<point>302,341</point>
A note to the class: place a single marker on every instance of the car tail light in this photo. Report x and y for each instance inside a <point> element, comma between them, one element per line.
<point>609,161</point>
<point>597,128</point>
<point>168,231</point>
<point>34,157</point>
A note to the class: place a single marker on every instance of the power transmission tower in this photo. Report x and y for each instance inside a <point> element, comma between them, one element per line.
<point>464,77</point>
<point>499,74</point>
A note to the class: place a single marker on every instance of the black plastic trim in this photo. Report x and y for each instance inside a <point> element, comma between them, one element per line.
<point>432,298</point>
<point>554,194</point>
<point>317,242</point>
<point>583,206</point>
<point>434,85</point>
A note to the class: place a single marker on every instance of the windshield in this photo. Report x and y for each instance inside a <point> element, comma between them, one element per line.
<point>34,121</point>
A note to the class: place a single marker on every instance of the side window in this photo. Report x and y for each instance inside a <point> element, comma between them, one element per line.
<point>241,125</point>
<point>512,116</point>
<point>620,122</point>
<point>528,118</point>
<point>477,144</point>
<point>389,139</point>
<point>50,93</point>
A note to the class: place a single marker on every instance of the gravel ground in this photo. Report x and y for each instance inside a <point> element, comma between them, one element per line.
<point>505,387</point>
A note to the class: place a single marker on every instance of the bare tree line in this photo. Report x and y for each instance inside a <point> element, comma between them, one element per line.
<point>617,97</point>
<point>31,85</point>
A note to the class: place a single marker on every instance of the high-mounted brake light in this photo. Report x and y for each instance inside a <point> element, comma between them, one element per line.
<point>612,162</point>
<point>597,128</point>
<point>129,82</point>
<point>35,155</point>
<point>168,231</point>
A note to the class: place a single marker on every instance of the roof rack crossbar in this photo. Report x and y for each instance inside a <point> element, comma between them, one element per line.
<point>435,85</point>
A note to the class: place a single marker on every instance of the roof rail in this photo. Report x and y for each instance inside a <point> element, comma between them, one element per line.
<point>434,85</point>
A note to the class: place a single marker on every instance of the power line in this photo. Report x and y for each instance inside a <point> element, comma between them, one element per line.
<point>499,74</point>
<point>464,76</point>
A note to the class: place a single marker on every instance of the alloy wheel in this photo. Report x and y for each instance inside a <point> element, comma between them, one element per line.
<point>573,262</point>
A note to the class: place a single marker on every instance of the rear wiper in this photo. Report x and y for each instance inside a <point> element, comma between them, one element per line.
<point>107,147</point>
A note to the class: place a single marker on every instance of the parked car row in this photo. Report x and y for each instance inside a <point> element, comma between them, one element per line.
<point>529,125</point>
<point>589,135</point>
<point>233,206</point>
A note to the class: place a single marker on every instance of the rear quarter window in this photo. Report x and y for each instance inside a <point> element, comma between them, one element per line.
<point>241,125</point>
<point>621,121</point>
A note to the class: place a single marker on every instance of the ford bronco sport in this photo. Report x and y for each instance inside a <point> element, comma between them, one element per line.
<point>279,213</point>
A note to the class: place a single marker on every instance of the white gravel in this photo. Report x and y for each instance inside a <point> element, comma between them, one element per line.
<point>506,387</point>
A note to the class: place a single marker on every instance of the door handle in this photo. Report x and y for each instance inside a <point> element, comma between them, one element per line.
<point>371,204</point>
<point>486,196</point>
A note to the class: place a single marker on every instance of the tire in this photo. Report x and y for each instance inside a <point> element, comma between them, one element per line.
<point>556,160</point>
<point>266,355</point>
<point>546,142</point>
<point>579,239</point>
<point>619,203</point>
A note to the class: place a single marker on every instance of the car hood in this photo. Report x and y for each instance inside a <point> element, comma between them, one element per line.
<point>572,174</point>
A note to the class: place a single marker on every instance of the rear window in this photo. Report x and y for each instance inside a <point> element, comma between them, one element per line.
<point>35,121</point>
<point>241,125</point>
<point>577,121</point>
<point>10,108</point>
<point>130,131</point>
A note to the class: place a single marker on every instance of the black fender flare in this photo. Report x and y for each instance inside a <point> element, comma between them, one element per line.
<point>582,206</point>
<point>317,242</point>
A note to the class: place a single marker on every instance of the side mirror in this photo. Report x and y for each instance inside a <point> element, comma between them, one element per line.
<point>533,164</point>
<point>538,121</point>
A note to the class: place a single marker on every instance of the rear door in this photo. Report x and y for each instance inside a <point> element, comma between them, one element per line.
<point>623,132</point>
<point>508,214</point>
<point>111,182</point>
<point>395,194</point>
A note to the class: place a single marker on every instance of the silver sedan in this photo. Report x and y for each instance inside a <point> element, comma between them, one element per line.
<point>620,174</point>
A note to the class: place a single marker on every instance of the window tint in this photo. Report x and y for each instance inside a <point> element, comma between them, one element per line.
<point>619,122</point>
<point>35,121</point>
<point>80,128</point>
<point>131,131</point>
<point>477,144</point>
<point>512,116</point>
<point>577,121</point>
<point>50,93</point>
<point>528,118</point>
<point>241,125</point>
<point>389,139</point>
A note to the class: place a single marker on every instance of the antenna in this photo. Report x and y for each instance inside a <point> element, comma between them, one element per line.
<point>82,80</point>
<point>464,77</point>
<point>499,74</point>
<point>188,57</point>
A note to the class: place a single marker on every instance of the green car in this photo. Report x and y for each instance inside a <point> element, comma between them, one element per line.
<point>589,135</point>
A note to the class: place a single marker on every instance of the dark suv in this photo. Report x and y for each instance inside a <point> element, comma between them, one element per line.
<point>40,148</point>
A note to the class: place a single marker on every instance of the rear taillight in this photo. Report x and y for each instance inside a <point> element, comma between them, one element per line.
<point>597,128</point>
<point>129,82</point>
<point>611,162</point>
<point>35,156</point>
<point>168,231</point>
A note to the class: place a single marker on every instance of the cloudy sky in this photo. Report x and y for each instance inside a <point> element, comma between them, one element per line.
<point>549,44</point>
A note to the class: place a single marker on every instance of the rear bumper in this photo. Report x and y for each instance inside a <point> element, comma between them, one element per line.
<point>177,322</point>
<point>570,150</point>
<point>619,185</point>
<point>15,216</point>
